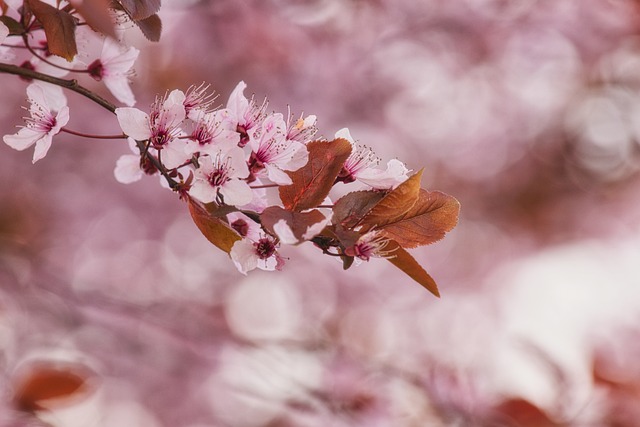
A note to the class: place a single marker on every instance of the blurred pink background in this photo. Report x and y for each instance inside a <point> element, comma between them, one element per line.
<point>527,111</point>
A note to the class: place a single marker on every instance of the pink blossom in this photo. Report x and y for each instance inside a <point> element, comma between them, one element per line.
<point>48,114</point>
<point>246,114</point>
<point>198,101</point>
<point>371,244</point>
<point>161,127</point>
<point>211,131</point>
<point>248,255</point>
<point>220,175</point>
<point>362,166</point>
<point>273,154</point>
<point>302,130</point>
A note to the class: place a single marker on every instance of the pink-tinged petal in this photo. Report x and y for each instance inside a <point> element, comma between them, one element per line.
<point>4,32</point>
<point>395,174</point>
<point>134,123</point>
<point>270,264</point>
<point>127,169</point>
<point>203,191</point>
<point>118,85</point>
<point>237,103</point>
<point>236,192</point>
<point>173,107</point>
<point>285,233</point>
<point>42,147</point>
<point>62,118</point>
<point>115,59</point>
<point>315,229</point>
<point>53,96</point>
<point>175,154</point>
<point>277,175</point>
<point>22,140</point>
<point>238,162</point>
<point>299,157</point>
<point>345,134</point>
<point>244,256</point>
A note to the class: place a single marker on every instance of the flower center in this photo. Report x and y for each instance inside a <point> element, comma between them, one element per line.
<point>265,248</point>
<point>96,70</point>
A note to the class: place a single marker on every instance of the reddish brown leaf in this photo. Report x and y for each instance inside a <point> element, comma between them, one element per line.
<point>299,222</point>
<point>151,27</point>
<point>14,26</point>
<point>44,382</point>
<point>140,9</point>
<point>433,215</point>
<point>352,207</point>
<point>407,263</point>
<point>96,14</point>
<point>59,27</point>
<point>312,182</point>
<point>214,229</point>
<point>394,205</point>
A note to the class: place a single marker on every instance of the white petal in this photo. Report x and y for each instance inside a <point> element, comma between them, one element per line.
<point>42,147</point>
<point>315,229</point>
<point>118,85</point>
<point>47,95</point>
<point>395,174</point>
<point>4,32</point>
<point>22,140</point>
<point>134,123</point>
<point>345,134</point>
<point>299,157</point>
<point>238,104</point>
<point>277,176</point>
<point>127,169</point>
<point>244,256</point>
<point>284,232</point>
<point>174,154</point>
<point>174,107</point>
<point>236,192</point>
<point>62,118</point>
<point>203,191</point>
<point>238,162</point>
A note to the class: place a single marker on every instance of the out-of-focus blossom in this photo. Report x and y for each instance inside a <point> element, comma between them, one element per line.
<point>361,166</point>
<point>4,32</point>
<point>48,114</point>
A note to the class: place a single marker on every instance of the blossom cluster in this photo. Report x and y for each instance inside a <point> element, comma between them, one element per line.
<point>253,179</point>
<point>232,156</point>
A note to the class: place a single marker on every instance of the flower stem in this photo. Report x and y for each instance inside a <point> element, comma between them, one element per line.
<point>68,84</point>
<point>263,186</point>
<point>86,135</point>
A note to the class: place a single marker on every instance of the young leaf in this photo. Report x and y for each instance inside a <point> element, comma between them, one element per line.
<point>59,27</point>
<point>96,14</point>
<point>433,215</point>
<point>394,205</point>
<point>14,26</point>
<point>140,9</point>
<point>45,382</point>
<point>350,208</point>
<point>407,263</point>
<point>151,27</point>
<point>312,182</point>
<point>214,229</point>
<point>299,222</point>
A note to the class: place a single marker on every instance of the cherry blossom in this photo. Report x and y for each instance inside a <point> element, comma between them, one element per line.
<point>248,254</point>
<point>361,166</point>
<point>113,65</point>
<point>161,127</point>
<point>221,175</point>
<point>198,101</point>
<point>246,114</point>
<point>211,131</point>
<point>48,114</point>
<point>371,244</point>
<point>273,154</point>
<point>302,130</point>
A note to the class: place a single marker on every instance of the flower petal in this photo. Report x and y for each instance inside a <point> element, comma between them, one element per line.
<point>22,140</point>
<point>134,123</point>
<point>127,169</point>
<point>244,256</point>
